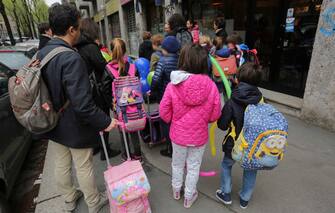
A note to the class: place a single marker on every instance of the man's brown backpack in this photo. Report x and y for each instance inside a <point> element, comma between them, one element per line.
<point>30,98</point>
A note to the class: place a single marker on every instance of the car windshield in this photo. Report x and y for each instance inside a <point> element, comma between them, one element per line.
<point>14,60</point>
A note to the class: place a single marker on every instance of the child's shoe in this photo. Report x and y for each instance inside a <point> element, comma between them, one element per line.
<point>188,202</point>
<point>138,157</point>
<point>224,198</point>
<point>176,193</point>
<point>243,203</point>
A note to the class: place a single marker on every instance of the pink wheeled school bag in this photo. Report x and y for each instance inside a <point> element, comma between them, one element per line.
<point>127,185</point>
<point>128,99</point>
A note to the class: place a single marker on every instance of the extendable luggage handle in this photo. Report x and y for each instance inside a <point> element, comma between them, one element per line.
<point>105,148</point>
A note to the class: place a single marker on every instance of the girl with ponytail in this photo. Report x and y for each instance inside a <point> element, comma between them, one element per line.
<point>121,64</point>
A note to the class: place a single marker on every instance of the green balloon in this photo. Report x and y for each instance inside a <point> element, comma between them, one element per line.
<point>149,78</point>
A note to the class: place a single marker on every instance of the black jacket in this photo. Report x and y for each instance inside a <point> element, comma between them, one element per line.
<point>161,78</point>
<point>233,111</point>
<point>221,33</point>
<point>95,63</point>
<point>146,50</point>
<point>43,41</point>
<point>67,79</point>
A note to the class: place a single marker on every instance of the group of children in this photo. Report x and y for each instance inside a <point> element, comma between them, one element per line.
<point>189,99</point>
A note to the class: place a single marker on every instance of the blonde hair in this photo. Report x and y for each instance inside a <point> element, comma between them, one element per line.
<point>204,39</point>
<point>157,39</point>
<point>118,47</point>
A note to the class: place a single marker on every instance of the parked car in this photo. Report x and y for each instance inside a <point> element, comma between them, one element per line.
<point>14,144</point>
<point>29,43</point>
<point>15,57</point>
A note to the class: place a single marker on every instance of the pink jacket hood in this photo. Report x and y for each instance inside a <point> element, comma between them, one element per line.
<point>190,102</point>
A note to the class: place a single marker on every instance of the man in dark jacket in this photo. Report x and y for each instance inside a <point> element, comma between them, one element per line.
<point>45,34</point>
<point>89,50</point>
<point>167,63</point>
<point>79,125</point>
<point>232,119</point>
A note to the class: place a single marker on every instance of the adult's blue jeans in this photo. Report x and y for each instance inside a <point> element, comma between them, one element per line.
<point>249,179</point>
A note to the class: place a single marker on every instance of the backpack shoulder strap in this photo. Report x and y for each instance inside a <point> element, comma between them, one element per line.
<point>113,71</point>
<point>132,70</point>
<point>53,53</point>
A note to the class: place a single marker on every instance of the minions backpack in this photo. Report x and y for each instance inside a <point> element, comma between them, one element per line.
<point>263,139</point>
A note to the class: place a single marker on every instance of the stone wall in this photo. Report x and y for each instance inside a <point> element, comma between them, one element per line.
<point>319,99</point>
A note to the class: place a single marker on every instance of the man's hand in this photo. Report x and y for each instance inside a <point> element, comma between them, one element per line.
<point>112,125</point>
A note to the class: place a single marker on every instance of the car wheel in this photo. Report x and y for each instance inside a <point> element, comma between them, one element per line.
<point>4,207</point>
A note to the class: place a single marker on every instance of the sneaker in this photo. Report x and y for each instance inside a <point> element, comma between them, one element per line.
<point>71,206</point>
<point>243,203</point>
<point>224,198</point>
<point>138,157</point>
<point>102,202</point>
<point>166,153</point>
<point>188,202</point>
<point>176,194</point>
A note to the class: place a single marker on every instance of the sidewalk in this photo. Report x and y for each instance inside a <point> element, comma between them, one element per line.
<point>303,182</point>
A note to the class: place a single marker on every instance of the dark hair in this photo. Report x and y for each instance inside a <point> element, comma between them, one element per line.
<point>234,39</point>
<point>43,27</point>
<point>192,22</point>
<point>89,28</point>
<point>62,17</point>
<point>220,22</point>
<point>146,35</point>
<point>176,21</point>
<point>183,56</point>
<point>194,59</point>
<point>250,73</point>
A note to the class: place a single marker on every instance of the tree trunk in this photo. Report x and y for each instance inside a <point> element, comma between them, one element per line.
<point>17,21</point>
<point>17,25</point>
<point>31,18</point>
<point>25,5</point>
<point>5,18</point>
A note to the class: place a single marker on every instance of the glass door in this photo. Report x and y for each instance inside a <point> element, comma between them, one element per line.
<point>293,46</point>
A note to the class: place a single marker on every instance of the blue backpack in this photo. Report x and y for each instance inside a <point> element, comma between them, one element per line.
<point>263,139</point>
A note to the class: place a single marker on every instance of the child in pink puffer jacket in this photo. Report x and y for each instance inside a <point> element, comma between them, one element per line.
<point>190,102</point>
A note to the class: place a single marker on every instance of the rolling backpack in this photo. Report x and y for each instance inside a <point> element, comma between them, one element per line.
<point>263,140</point>
<point>128,99</point>
<point>127,184</point>
<point>30,98</point>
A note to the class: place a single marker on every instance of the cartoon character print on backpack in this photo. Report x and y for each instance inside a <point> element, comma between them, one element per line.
<point>263,140</point>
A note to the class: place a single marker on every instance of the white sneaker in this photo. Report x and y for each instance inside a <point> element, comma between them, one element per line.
<point>176,193</point>
<point>71,206</point>
<point>102,202</point>
<point>188,202</point>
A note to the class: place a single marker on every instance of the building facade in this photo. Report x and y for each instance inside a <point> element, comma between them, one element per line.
<point>294,40</point>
